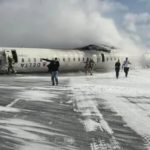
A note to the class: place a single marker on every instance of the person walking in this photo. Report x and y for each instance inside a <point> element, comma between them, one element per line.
<point>91,66</point>
<point>126,65</point>
<point>54,71</point>
<point>10,65</point>
<point>53,68</point>
<point>117,68</point>
<point>86,67</point>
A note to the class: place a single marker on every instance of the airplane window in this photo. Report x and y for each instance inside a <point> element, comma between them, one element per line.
<point>107,58</point>
<point>111,58</point>
<point>34,59</point>
<point>74,59</point>
<point>63,59</point>
<point>40,59</point>
<point>22,59</point>
<point>68,59</point>
<point>78,59</point>
<point>29,60</point>
<point>83,58</point>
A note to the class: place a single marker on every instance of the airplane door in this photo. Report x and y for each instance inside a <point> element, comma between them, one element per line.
<point>103,58</point>
<point>12,54</point>
<point>7,53</point>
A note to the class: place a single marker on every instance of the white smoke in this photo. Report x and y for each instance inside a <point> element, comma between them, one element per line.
<point>62,24</point>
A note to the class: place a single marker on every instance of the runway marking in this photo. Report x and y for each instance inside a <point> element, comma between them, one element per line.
<point>13,102</point>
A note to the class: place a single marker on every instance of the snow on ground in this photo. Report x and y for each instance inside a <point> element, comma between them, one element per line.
<point>128,97</point>
<point>110,113</point>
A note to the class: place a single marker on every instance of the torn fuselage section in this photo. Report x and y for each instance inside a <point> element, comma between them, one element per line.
<point>101,48</point>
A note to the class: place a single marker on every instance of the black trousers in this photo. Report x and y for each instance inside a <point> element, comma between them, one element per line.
<point>126,70</point>
<point>117,72</point>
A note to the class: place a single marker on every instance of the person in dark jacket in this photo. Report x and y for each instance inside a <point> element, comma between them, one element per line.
<point>54,71</point>
<point>86,67</point>
<point>117,68</point>
<point>53,68</point>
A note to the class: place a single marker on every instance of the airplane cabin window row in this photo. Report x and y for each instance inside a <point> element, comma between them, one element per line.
<point>99,59</point>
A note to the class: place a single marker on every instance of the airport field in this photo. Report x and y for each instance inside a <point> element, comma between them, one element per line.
<point>96,112</point>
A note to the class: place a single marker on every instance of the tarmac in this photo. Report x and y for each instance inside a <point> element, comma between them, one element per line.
<point>36,115</point>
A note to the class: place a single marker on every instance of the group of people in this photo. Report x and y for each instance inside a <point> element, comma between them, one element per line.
<point>125,66</point>
<point>53,67</point>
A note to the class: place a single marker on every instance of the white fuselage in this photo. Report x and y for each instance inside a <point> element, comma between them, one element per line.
<point>30,60</point>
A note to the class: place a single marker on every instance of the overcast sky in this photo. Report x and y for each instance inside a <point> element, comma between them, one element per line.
<point>73,23</point>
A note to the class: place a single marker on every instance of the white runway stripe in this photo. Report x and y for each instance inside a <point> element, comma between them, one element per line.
<point>13,102</point>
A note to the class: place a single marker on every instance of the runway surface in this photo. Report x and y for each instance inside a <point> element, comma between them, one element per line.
<point>83,112</point>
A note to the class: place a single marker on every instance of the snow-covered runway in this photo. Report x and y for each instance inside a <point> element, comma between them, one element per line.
<point>95,112</point>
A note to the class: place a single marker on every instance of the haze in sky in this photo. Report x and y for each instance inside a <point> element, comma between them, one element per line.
<point>73,23</point>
